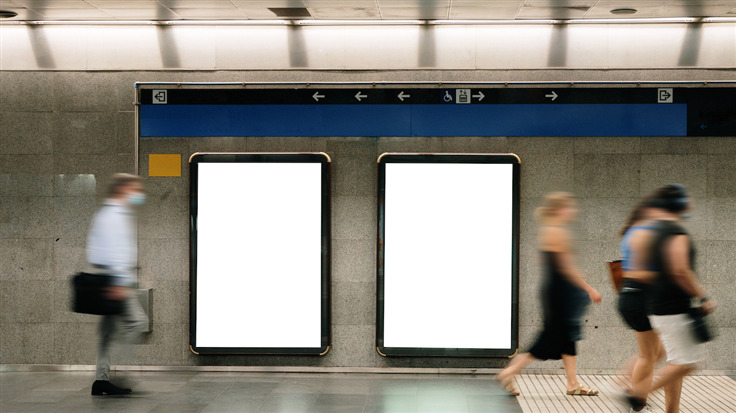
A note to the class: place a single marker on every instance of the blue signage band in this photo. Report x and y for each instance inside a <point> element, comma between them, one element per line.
<point>430,120</point>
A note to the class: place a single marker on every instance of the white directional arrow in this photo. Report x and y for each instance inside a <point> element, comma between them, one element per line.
<point>402,96</point>
<point>480,96</point>
<point>553,95</point>
<point>359,96</point>
<point>317,96</point>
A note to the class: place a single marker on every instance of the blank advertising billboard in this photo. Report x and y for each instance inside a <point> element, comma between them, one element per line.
<point>260,237</point>
<point>448,254</point>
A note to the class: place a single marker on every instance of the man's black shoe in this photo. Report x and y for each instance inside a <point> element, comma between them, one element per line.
<point>636,403</point>
<point>101,387</point>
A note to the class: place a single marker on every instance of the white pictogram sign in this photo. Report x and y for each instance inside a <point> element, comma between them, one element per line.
<point>462,96</point>
<point>159,97</point>
<point>665,95</point>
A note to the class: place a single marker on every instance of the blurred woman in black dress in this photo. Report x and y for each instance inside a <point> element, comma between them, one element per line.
<point>565,295</point>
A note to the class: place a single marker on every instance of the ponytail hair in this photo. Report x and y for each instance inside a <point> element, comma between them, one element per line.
<point>552,203</point>
<point>637,214</point>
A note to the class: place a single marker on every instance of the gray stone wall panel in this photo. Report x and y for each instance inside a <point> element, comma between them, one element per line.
<point>64,134</point>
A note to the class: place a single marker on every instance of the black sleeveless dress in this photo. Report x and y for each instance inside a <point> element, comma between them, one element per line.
<point>564,306</point>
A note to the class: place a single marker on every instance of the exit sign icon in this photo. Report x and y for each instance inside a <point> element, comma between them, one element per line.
<point>159,97</point>
<point>665,95</point>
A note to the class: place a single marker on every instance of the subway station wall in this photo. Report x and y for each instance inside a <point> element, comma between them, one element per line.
<point>67,122</point>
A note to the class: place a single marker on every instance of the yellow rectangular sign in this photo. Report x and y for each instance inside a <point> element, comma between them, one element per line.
<point>164,164</point>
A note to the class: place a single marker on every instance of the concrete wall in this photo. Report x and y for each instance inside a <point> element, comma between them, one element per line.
<point>63,132</point>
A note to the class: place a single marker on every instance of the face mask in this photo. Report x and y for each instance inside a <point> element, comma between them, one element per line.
<point>137,199</point>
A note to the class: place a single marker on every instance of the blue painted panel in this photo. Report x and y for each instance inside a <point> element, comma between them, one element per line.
<point>275,120</point>
<point>415,120</point>
<point>550,120</point>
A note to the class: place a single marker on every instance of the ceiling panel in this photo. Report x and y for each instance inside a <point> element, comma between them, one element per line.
<point>483,13</point>
<point>133,4</point>
<point>140,14</point>
<point>421,13</point>
<point>485,3</point>
<point>54,4</point>
<point>561,3</point>
<point>694,11</point>
<point>346,4</point>
<point>629,4</point>
<point>25,14</point>
<point>68,14</point>
<point>197,4</point>
<point>603,10</point>
<point>413,3</point>
<point>267,3</point>
<point>209,14</point>
<point>258,14</point>
<point>363,9</point>
<point>642,13</point>
<point>546,12</point>
<point>333,13</point>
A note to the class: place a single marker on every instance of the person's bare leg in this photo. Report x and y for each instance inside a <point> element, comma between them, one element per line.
<point>516,365</point>
<point>643,373</point>
<point>506,376</point>
<point>570,372</point>
<point>670,374</point>
<point>627,369</point>
<point>571,375</point>
<point>672,393</point>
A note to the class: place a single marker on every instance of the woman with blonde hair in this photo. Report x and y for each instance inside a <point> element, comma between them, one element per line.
<point>565,295</point>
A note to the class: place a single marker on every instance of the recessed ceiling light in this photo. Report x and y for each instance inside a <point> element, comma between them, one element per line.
<point>6,14</point>
<point>623,11</point>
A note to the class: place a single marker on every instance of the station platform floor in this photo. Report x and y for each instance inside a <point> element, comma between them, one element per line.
<point>182,392</point>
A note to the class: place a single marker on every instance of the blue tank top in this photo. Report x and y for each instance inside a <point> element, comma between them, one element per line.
<point>626,253</point>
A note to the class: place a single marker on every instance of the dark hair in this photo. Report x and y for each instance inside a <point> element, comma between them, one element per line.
<point>671,198</point>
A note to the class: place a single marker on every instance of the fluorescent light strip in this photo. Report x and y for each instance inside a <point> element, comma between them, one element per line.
<point>492,22</point>
<point>361,22</point>
<point>370,22</point>
<point>720,20</point>
<point>632,21</point>
<point>164,22</point>
<point>94,22</point>
<point>229,22</point>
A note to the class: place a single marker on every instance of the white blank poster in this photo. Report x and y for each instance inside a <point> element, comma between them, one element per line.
<point>448,255</point>
<point>258,257</point>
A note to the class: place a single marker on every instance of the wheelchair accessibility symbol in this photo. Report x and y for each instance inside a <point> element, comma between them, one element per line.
<point>447,98</point>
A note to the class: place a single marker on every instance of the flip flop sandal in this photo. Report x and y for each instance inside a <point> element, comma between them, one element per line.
<point>508,385</point>
<point>582,391</point>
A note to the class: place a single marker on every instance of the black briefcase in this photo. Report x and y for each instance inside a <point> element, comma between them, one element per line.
<point>88,295</point>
